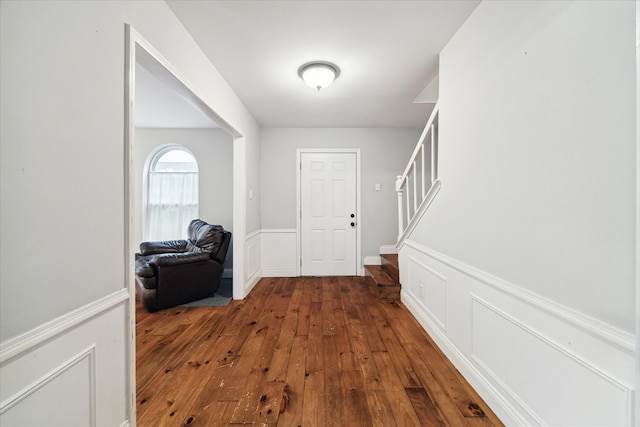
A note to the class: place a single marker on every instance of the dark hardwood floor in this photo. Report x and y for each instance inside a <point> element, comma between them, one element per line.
<point>298,352</point>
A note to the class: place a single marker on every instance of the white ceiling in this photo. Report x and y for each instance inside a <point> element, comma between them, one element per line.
<point>387,52</point>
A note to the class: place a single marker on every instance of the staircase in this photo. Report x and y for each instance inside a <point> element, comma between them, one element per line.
<point>384,280</point>
<point>419,184</point>
<point>416,188</point>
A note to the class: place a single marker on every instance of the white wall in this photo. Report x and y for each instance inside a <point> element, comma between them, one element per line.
<point>213,149</point>
<point>538,184</point>
<point>537,148</point>
<point>384,153</point>
<point>62,171</point>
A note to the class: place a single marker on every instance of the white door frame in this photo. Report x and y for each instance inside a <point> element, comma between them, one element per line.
<point>165,71</point>
<point>637,248</point>
<point>299,152</point>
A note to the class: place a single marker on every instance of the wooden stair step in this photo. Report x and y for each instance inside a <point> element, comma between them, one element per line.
<point>383,285</point>
<point>390,264</point>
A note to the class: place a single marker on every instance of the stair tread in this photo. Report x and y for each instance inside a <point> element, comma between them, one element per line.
<point>383,285</point>
<point>380,275</point>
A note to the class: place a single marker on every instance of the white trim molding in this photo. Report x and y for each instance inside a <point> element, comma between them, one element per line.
<point>512,344</point>
<point>637,248</point>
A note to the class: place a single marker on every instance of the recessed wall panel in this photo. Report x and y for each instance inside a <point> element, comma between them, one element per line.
<point>429,288</point>
<point>253,257</point>
<point>65,398</point>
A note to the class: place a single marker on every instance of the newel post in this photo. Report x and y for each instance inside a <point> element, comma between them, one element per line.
<point>400,192</point>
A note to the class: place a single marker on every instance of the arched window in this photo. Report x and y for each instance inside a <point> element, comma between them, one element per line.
<point>172,193</point>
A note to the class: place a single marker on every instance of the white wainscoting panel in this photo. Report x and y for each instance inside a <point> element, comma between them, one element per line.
<point>253,261</point>
<point>279,252</point>
<point>429,290</point>
<point>74,381</point>
<point>534,361</point>
<point>71,371</point>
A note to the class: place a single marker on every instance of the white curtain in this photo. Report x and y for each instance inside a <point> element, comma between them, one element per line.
<point>171,204</point>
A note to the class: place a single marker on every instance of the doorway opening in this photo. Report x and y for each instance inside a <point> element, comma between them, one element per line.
<point>141,57</point>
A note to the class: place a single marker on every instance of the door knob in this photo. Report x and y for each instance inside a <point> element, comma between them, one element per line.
<point>353,215</point>
<point>353,224</point>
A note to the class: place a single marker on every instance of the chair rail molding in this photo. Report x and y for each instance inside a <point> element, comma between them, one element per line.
<point>19,344</point>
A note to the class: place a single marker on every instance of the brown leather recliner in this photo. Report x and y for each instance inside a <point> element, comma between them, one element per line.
<point>175,272</point>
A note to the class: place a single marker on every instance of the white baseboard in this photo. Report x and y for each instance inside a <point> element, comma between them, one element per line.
<point>511,344</point>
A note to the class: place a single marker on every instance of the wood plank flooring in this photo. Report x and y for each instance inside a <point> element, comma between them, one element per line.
<point>298,352</point>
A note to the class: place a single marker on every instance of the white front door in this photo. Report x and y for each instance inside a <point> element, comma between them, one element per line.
<point>328,214</point>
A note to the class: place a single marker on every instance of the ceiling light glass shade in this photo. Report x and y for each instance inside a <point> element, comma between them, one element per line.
<point>318,75</point>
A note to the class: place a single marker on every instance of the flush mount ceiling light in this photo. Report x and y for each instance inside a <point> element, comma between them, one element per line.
<point>318,75</point>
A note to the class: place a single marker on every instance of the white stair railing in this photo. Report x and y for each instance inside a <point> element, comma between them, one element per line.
<point>419,183</point>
